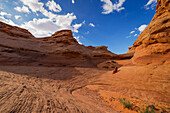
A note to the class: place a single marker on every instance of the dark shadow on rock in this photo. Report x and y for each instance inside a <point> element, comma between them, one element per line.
<point>55,73</point>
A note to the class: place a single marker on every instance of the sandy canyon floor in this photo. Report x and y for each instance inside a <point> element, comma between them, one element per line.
<point>90,90</point>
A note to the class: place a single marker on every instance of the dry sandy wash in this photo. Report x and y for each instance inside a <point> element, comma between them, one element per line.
<point>88,90</point>
<point>44,89</point>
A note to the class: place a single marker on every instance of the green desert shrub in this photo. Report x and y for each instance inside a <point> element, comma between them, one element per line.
<point>113,67</point>
<point>105,67</point>
<point>126,103</point>
<point>148,110</point>
<point>113,61</point>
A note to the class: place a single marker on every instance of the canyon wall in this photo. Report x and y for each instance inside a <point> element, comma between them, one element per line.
<point>153,44</point>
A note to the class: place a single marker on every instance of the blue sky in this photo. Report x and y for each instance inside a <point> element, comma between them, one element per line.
<point>113,23</point>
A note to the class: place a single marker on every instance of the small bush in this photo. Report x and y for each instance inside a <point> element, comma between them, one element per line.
<point>113,67</point>
<point>148,109</point>
<point>126,103</point>
<point>105,67</point>
<point>113,61</point>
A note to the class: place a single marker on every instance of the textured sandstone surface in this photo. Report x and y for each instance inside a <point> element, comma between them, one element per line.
<point>57,74</point>
<point>18,46</point>
<point>155,39</point>
<point>15,31</point>
<point>25,89</point>
<point>40,74</point>
<point>145,79</point>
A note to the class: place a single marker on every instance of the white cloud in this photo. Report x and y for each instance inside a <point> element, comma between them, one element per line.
<point>150,4</point>
<point>132,32</point>
<point>41,27</point>
<point>78,39</point>
<point>34,5</point>
<point>108,6</point>
<point>51,22</point>
<point>4,18</point>
<point>22,9</point>
<point>142,27</point>
<point>77,26</point>
<point>137,31</point>
<point>92,25</point>
<point>8,21</point>
<point>17,17</point>
<point>135,35</point>
<point>73,1</point>
<point>5,14</point>
<point>53,6</point>
<point>47,26</point>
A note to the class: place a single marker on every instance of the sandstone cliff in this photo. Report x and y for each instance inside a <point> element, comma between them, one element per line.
<point>153,44</point>
<point>18,46</point>
<point>147,75</point>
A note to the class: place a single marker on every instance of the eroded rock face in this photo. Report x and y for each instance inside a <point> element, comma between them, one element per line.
<point>18,46</point>
<point>155,39</point>
<point>64,36</point>
<point>98,48</point>
<point>15,31</point>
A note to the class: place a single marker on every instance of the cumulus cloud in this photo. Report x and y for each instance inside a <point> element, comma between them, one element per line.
<point>17,17</point>
<point>150,4</point>
<point>132,32</point>
<point>91,24</point>
<point>37,6</point>
<point>5,14</point>
<point>34,5</point>
<point>47,26</point>
<point>73,1</point>
<point>41,27</point>
<point>108,6</point>
<point>53,6</point>
<point>8,21</point>
<point>22,9</point>
<point>142,27</point>
<point>77,26</point>
<point>4,17</point>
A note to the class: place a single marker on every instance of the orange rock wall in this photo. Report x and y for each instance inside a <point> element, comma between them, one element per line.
<point>155,39</point>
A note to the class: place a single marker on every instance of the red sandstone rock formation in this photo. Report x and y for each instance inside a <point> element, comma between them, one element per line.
<point>153,44</point>
<point>18,46</point>
<point>15,31</point>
